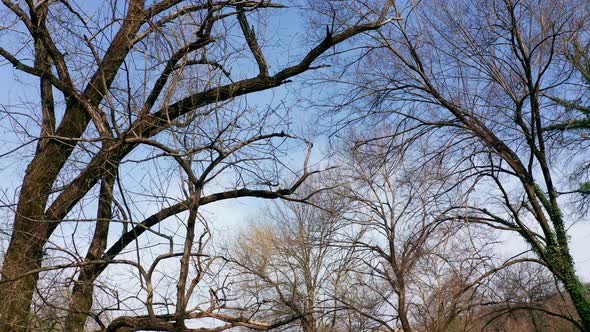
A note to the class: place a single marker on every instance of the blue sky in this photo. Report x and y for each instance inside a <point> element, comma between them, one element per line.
<point>18,92</point>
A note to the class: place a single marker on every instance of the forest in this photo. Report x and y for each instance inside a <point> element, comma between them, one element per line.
<point>303,165</point>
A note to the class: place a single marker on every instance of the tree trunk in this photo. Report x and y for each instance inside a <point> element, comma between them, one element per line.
<point>25,251</point>
<point>24,255</point>
<point>309,325</point>
<point>182,297</point>
<point>80,302</point>
<point>578,295</point>
<point>403,310</point>
<point>31,230</point>
<point>83,292</point>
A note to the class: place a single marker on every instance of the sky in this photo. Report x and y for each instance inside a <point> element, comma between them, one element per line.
<point>230,216</point>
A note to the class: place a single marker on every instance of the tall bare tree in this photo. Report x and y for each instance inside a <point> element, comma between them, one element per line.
<point>289,267</point>
<point>129,82</point>
<point>414,267</point>
<point>476,82</point>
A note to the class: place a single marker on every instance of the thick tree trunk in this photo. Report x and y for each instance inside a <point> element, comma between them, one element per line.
<point>578,295</point>
<point>80,302</point>
<point>24,254</point>
<point>83,291</point>
<point>560,258</point>
<point>31,229</point>
<point>20,274</point>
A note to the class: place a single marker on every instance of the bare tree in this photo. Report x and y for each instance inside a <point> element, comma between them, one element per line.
<point>473,82</point>
<point>526,297</point>
<point>136,83</point>
<point>288,267</point>
<point>415,269</point>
